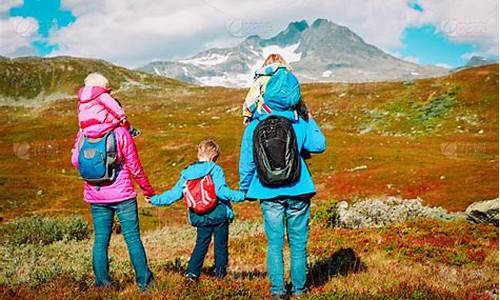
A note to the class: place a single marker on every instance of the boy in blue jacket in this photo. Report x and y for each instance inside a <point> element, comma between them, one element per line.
<point>215,222</point>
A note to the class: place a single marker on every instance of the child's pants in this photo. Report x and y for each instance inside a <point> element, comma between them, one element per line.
<point>203,238</point>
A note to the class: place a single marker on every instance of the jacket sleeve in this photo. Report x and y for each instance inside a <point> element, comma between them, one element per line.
<point>171,196</point>
<point>74,151</point>
<point>222,190</point>
<point>133,164</point>
<point>112,106</point>
<point>315,141</point>
<point>247,164</point>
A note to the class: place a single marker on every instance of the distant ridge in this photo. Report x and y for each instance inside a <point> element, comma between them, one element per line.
<point>322,51</point>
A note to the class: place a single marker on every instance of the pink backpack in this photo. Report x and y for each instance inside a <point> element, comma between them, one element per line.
<point>199,195</point>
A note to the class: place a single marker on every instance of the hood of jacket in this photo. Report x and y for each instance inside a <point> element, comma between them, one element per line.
<point>197,170</point>
<point>88,92</point>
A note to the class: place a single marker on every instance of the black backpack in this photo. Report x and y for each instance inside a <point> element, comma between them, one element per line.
<point>275,152</point>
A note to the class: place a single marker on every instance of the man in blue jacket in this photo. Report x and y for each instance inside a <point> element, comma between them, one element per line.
<point>286,206</point>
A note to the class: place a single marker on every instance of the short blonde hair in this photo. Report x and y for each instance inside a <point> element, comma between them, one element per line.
<point>96,79</point>
<point>209,148</point>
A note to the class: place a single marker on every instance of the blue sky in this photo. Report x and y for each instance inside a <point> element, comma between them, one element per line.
<point>422,39</point>
<point>426,45</point>
<point>50,17</point>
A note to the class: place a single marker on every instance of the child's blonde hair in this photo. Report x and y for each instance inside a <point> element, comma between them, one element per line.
<point>96,79</point>
<point>209,149</point>
<point>275,58</point>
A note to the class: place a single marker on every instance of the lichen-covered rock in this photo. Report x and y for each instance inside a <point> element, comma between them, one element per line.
<point>388,210</point>
<point>483,212</point>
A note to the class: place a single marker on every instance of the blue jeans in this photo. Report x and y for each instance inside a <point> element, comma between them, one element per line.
<point>292,214</point>
<point>103,216</point>
<point>203,238</point>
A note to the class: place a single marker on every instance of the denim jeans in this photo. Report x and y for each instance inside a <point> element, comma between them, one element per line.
<point>203,238</point>
<point>292,214</point>
<point>103,217</point>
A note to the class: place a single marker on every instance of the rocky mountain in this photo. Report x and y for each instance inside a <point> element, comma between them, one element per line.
<point>322,51</point>
<point>476,61</point>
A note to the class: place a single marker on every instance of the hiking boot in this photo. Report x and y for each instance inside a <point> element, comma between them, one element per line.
<point>191,277</point>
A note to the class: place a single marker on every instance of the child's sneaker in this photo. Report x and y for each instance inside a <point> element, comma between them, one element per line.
<point>191,277</point>
<point>134,132</point>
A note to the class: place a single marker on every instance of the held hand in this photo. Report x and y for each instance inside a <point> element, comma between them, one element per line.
<point>246,120</point>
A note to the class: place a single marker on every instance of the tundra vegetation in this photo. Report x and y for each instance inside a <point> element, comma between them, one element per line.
<point>435,140</point>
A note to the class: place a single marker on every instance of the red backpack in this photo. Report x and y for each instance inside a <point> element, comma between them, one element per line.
<point>199,194</point>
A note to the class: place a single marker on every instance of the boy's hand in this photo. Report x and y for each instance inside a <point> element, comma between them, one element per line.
<point>147,199</point>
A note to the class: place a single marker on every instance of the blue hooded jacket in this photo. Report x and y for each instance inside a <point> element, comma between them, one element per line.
<point>309,138</point>
<point>222,212</point>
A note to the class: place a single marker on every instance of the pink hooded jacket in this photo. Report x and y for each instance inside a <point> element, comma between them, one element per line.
<point>123,187</point>
<point>98,111</point>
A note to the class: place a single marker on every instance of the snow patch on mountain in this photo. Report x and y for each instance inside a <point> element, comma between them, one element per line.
<point>327,73</point>
<point>210,60</point>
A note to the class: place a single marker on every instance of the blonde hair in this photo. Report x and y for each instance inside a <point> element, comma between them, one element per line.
<point>209,149</point>
<point>96,79</point>
<point>275,58</point>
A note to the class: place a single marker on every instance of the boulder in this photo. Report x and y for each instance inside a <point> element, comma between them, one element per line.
<point>383,211</point>
<point>483,212</point>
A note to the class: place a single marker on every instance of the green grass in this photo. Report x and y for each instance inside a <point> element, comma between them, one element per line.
<point>389,263</point>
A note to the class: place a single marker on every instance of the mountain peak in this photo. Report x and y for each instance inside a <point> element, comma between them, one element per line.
<point>321,51</point>
<point>475,61</point>
<point>298,25</point>
<point>289,36</point>
<point>320,22</point>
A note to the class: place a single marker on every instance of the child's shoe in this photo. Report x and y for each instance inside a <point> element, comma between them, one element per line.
<point>134,132</point>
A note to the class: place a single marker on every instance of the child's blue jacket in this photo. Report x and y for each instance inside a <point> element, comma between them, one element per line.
<point>222,212</point>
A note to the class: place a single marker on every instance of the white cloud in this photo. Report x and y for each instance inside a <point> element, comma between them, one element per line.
<point>465,21</point>
<point>16,34</point>
<point>5,5</point>
<point>133,32</point>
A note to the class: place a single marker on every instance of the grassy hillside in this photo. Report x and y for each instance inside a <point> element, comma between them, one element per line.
<point>30,77</point>
<point>436,139</point>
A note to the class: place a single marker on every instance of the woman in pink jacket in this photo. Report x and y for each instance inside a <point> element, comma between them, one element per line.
<point>118,197</point>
